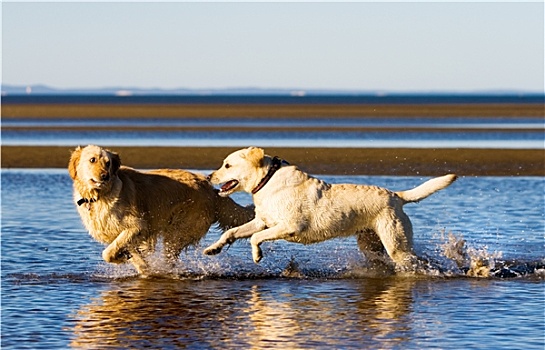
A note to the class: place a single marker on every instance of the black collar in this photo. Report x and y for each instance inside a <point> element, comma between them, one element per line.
<point>85,200</point>
<point>276,164</point>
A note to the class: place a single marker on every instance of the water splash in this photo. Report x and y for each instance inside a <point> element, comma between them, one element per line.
<point>479,262</point>
<point>475,262</point>
<point>453,257</point>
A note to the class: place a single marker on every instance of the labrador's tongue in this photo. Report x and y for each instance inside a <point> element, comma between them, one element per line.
<point>229,185</point>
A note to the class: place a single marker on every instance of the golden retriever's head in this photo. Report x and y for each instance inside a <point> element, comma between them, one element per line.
<point>241,171</point>
<point>93,166</point>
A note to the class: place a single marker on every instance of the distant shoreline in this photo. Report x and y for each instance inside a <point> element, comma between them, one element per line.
<point>332,161</point>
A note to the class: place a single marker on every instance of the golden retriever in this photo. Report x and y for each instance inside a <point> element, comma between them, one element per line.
<point>296,207</point>
<point>129,210</point>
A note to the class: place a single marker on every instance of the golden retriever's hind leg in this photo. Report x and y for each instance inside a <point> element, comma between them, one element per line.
<point>180,237</point>
<point>139,264</point>
<point>172,251</point>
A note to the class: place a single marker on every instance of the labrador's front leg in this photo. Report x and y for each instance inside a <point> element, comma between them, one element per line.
<point>271,234</point>
<point>244,231</point>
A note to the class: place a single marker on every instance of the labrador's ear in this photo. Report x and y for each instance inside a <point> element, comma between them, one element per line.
<point>116,162</point>
<point>73,163</point>
<point>256,155</point>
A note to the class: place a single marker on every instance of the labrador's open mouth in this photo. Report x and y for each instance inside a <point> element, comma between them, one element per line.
<point>228,186</point>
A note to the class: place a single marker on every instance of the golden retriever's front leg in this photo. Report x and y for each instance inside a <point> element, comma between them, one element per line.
<point>123,249</point>
<point>271,234</point>
<point>244,231</point>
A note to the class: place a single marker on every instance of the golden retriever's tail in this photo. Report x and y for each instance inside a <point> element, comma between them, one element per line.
<point>230,214</point>
<point>427,188</point>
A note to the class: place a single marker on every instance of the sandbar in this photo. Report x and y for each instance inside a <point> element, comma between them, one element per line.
<point>242,110</point>
<point>315,160</point>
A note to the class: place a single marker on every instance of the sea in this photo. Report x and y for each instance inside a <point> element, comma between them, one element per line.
<point>58,293</point>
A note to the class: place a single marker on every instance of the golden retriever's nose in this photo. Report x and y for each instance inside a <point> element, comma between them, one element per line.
<point>209,177</point>
<point>105,176</point>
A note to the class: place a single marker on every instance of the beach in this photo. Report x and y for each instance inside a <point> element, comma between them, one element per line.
<point>414,161</point>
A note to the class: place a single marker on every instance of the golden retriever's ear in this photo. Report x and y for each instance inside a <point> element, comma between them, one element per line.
<point>116,162</point>
<point>255,155</point>
<point>73,163</point>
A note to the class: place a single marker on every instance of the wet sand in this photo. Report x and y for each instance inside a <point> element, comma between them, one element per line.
<point>242,110</point>
<point>335,161</point>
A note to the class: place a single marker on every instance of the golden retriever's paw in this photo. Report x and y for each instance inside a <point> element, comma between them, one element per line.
<point>213,250</point>
<point>115,256</point>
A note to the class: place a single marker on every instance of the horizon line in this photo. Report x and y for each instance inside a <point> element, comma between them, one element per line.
<point>43,89</point>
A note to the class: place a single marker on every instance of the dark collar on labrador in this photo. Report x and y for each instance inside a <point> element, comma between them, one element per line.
<point>85,200</point>
<point>276,164</point>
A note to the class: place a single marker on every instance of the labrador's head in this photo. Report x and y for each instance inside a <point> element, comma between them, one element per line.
<point>93,166</point>
<point>241,171</point>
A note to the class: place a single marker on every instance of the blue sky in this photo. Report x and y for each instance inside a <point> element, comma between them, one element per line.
<point>407,47</point>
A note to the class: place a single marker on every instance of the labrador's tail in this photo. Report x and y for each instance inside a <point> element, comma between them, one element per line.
<point>427,188</point>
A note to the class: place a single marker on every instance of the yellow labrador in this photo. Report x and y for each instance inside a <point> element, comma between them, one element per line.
<point>296,207</point>
<point>129,210</point>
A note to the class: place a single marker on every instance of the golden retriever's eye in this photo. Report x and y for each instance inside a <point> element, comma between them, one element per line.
<point>92,160</point>
<point>227,166</point>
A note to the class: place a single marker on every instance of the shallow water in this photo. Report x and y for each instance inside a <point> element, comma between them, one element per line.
<point>451,132</point>
<point>57,293</point>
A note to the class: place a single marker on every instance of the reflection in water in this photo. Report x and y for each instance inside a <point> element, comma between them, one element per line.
<point>285,313</point>
<point>350,312</point>
<point>149,312</point>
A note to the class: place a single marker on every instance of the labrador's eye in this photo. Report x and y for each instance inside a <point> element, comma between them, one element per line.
<point>108,163</point>
<point>227,166</point>
<point>92,160</point>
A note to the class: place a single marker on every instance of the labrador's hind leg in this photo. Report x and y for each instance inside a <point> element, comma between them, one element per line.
<point>394,229</point>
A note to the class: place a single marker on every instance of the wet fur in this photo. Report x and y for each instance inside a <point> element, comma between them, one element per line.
<point>129,210</point>
<point>297,207</point>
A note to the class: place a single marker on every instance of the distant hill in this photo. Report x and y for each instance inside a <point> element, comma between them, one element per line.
<point>129,91</point>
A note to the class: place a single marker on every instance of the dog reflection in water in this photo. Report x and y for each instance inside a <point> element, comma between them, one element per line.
<point>244,314</point>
